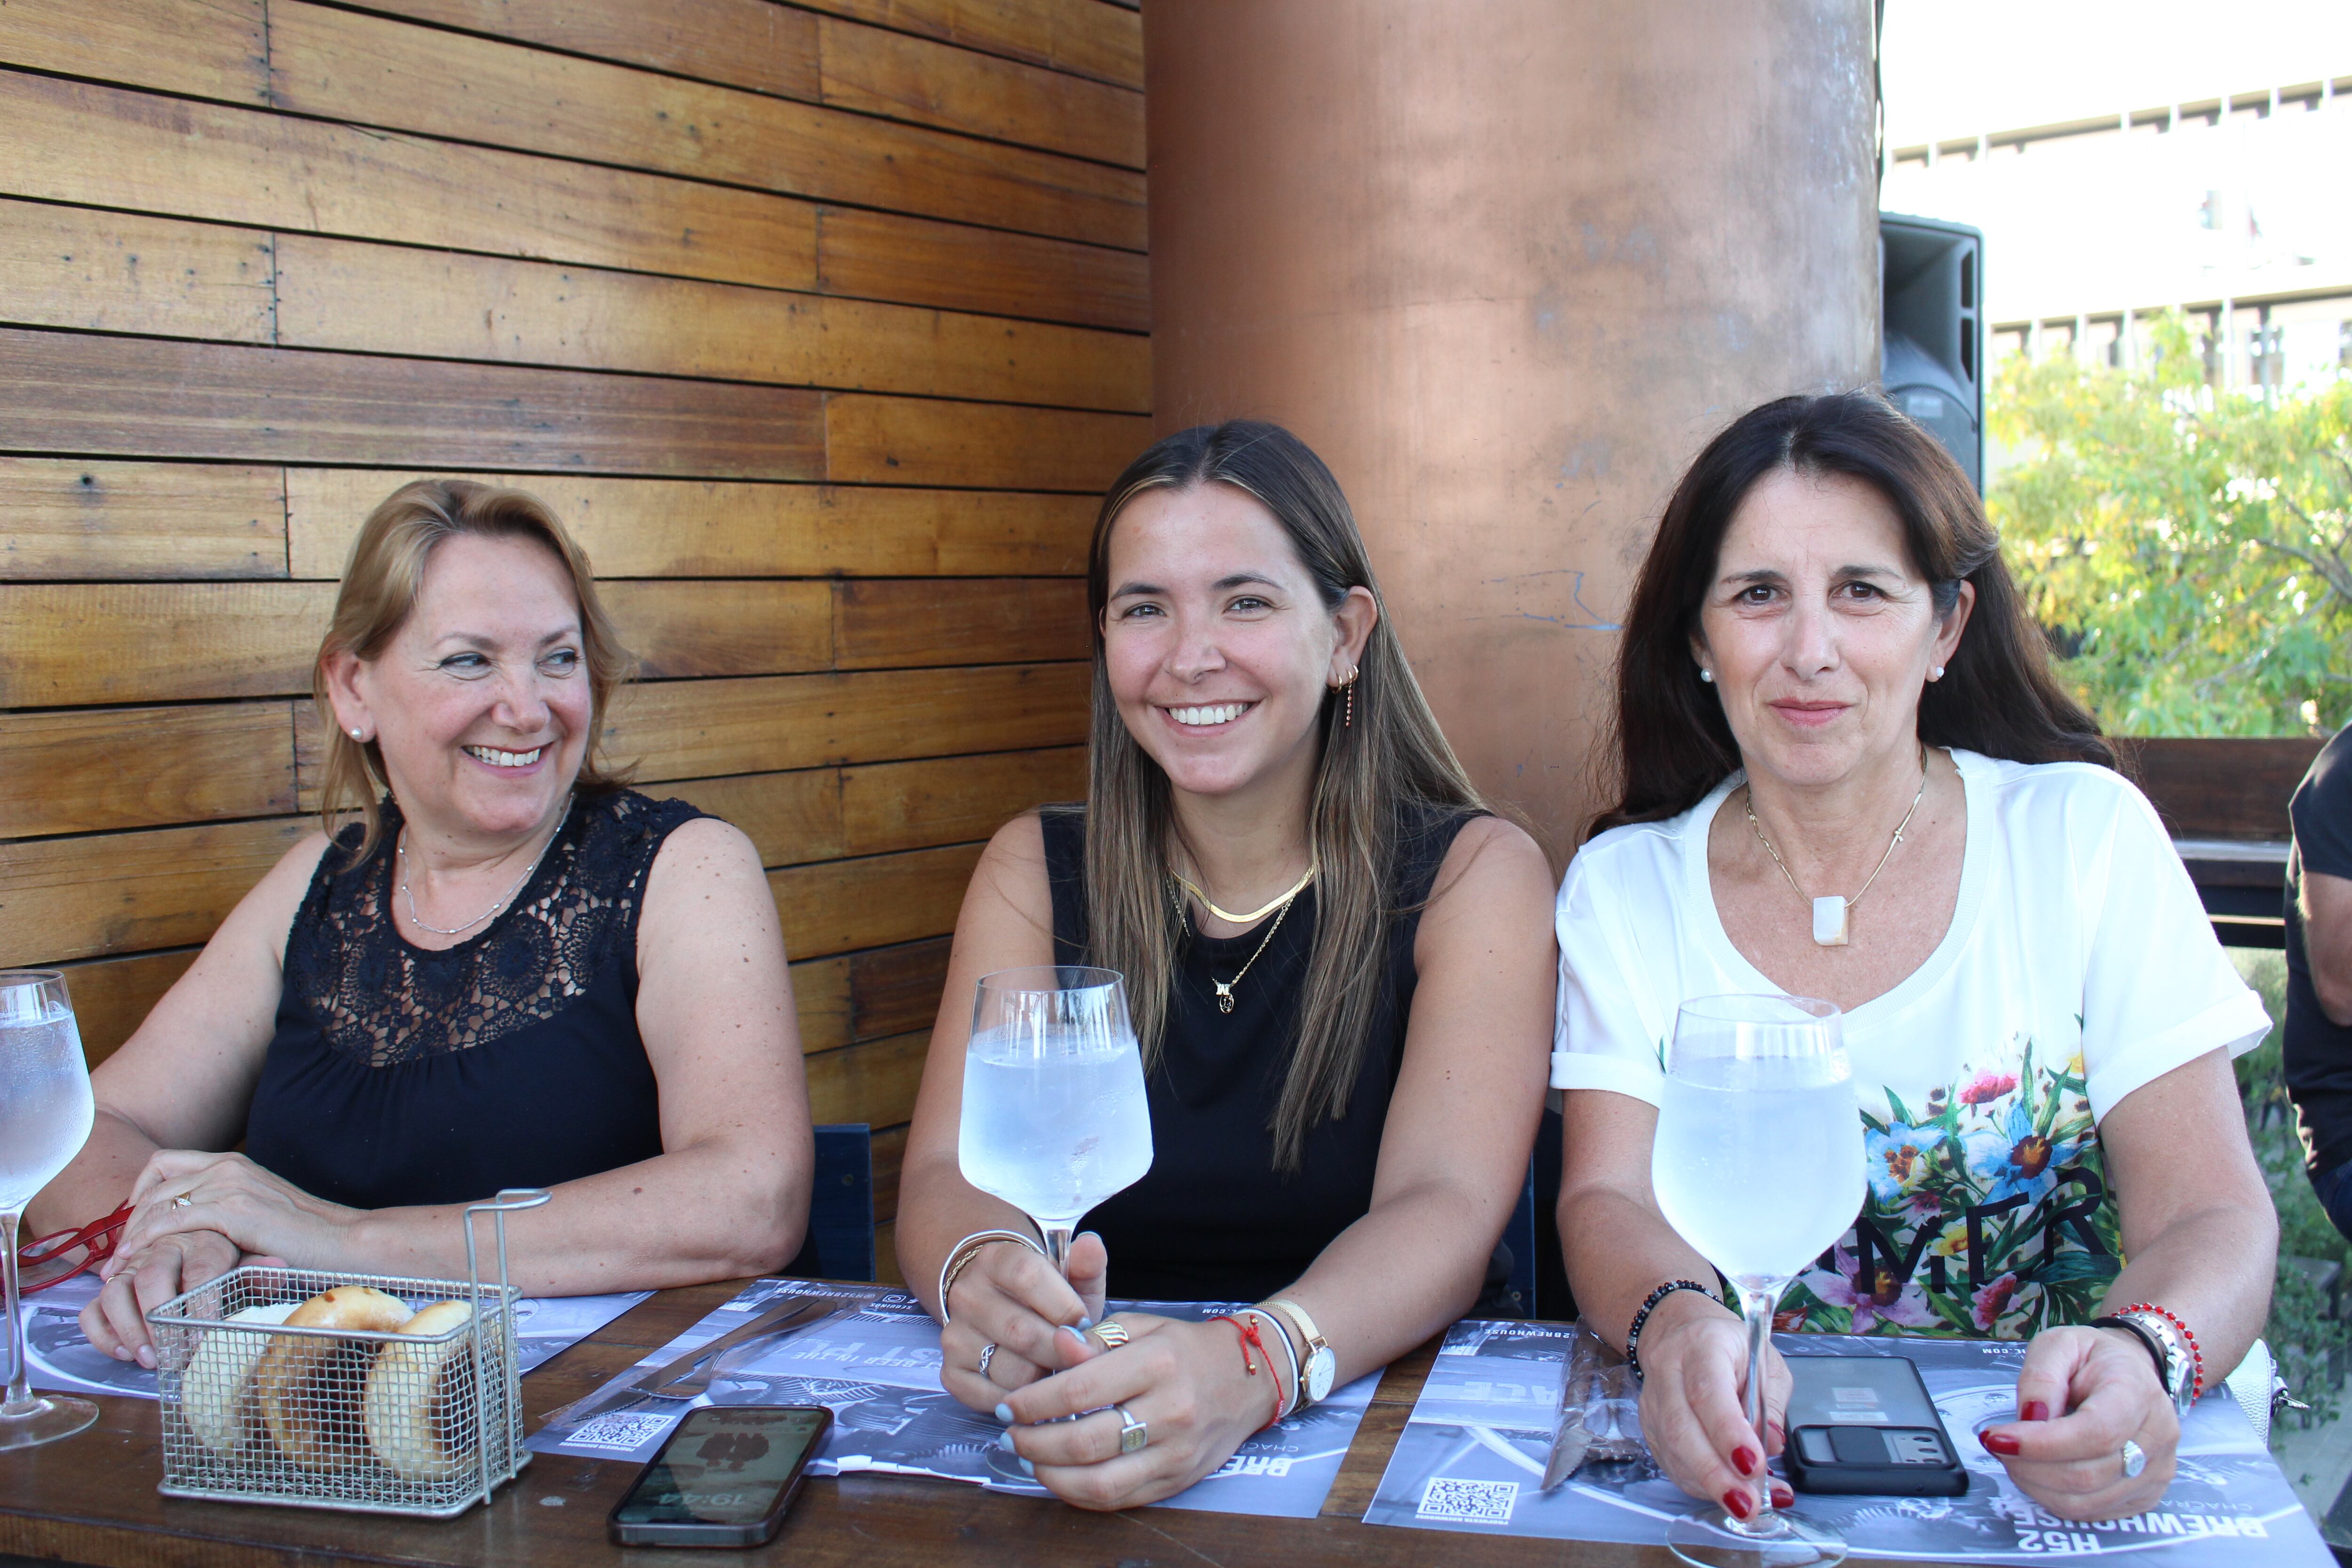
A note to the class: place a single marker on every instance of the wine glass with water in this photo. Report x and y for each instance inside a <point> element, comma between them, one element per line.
<point>44,1119</point>
<point>1757,1162</point>
<point>1055,1118</point>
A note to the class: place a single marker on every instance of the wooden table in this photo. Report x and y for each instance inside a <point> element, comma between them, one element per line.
<point>91,1499</point>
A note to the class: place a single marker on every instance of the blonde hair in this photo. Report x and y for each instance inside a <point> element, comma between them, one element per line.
<point>381,582</point>
<point>1367,773</point>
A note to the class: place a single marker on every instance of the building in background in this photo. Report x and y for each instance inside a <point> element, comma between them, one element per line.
<point>2111,184</point>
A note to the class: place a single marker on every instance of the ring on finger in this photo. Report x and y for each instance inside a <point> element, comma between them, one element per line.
<point>1112,1333</point>
<point>183,1201</point>
<point>987,1354</point>
<point>1132,1434</point>
<point>2135,1458</point>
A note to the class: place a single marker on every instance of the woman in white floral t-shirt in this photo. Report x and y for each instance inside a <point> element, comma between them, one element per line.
<point>1849,773</point>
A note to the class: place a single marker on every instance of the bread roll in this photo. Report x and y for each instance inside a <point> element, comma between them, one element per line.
<point>421,1418</point>
<point>310,1389</point>
<point>217,1391</point>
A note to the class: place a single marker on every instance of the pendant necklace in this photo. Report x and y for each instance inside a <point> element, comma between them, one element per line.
<point>418,922</point>
<point>1831,913</point>
<point>1281,908</point>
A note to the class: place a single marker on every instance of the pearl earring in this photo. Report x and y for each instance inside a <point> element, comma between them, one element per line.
<point>1936,673</point>
<point>356,734</point>
<point>1706,675</point>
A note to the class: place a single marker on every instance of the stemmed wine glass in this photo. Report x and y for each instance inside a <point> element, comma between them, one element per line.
<point>1757,1162</point>
<point>1055,1118</point>
<point>44,1119</point>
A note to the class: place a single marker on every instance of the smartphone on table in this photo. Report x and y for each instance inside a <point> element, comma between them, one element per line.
<point>724,1478</point>
<point>1866,1424</point>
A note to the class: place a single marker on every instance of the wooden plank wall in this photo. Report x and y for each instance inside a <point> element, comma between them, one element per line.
<point>819,322</point>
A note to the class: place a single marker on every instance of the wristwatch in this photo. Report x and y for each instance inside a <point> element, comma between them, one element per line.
<point>1318,1364</point>
<point>2176,1363</point>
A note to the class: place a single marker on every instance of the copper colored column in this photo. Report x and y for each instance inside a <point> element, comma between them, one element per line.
<point>1506,264</point>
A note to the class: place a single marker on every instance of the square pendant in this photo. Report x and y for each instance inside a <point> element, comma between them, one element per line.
<point>1829,921</point>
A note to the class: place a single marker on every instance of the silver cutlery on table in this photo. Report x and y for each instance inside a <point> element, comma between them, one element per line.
<point>688,1375</point>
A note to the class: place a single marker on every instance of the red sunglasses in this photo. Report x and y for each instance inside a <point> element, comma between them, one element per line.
<point>48,1260</point>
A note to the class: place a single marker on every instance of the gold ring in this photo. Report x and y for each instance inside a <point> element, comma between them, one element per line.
<point>183,1201</point>
<point>1112,1333</point>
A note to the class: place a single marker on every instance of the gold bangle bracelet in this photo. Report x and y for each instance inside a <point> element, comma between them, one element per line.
<point>965,1251</point>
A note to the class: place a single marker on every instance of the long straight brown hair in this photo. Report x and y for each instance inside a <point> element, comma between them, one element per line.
<point>1367,773</point>
<point>1996,697</point>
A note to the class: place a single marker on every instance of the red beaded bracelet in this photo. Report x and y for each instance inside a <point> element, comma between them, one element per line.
<point>2196,1356</point>
<point>1249,1333</point>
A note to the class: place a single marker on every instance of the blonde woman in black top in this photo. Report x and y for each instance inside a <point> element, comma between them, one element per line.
<point>1339,962</point>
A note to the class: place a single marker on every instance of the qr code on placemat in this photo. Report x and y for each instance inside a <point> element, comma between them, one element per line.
<point>620,1430</point>
<point>1471,1502</point>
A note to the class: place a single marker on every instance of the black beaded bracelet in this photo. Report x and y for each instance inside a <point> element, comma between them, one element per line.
<point>2155,1349</point>
<point>1642,1316</point>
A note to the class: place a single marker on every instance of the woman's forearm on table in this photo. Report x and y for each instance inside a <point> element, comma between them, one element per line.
<point>97,1182</point>
<point>1617,1249</point>
<point>1411,1266</point>
<point>2213,1268</point>
<point>712,1211</point>
<point>937,1208</point>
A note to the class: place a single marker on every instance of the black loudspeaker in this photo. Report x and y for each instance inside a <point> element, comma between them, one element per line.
<point>1931,363</point>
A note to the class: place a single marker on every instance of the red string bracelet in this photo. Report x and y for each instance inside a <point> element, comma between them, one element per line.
<point>1249,1333</point>
<point>2196,1356</point>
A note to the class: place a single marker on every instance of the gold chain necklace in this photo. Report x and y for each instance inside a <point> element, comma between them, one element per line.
<point>1256,914</point>
<point>1830,912</point>
<point>1282,907</point>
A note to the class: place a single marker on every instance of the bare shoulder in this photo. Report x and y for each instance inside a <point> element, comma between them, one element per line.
<point>1492,859</point>
<point>1012,868</point>
<point>705,846</point>
<point>264,913</point>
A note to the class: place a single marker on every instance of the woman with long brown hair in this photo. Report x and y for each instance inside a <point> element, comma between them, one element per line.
<point>493,967</point>
<point>1849,773</point>
<point>1338,968</point>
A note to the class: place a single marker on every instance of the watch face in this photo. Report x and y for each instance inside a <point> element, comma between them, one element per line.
<point>1319,1368</point>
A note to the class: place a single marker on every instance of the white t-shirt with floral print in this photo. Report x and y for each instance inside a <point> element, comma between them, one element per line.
<point>2079,965</point>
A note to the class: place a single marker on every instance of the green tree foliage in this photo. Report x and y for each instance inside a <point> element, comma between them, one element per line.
<point>2189,552</point>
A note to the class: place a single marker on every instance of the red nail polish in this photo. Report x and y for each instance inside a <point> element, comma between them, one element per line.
<point>1782,1496</point>
<point>1743,1459</point>
<point>2000,1443</point>
<point>1738,1503</point>
<point>2036,1411</point>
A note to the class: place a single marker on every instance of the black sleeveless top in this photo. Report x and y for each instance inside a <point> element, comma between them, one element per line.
<point>1213,1220</point>
<point>401,1075</point>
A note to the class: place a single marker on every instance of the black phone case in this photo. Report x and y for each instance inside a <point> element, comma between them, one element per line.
<point>1906,1454</point>
<point>757,1533</point>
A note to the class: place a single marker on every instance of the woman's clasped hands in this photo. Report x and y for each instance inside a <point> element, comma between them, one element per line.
<point>1033,1347</point>
<point>195,1216</point>
<point>2083,1394</point>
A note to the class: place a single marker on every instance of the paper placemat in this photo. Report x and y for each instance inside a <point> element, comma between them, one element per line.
<point>1472,1458</point>
<point>59,1357</point>
<point>879,1372</point>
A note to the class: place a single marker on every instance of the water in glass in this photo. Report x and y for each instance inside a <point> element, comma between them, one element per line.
<point>1055,1118</point>
<point>44,1119</point>
<point>1757,1164</point>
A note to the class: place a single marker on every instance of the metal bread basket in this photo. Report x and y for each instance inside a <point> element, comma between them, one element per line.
<point>368,1419</point>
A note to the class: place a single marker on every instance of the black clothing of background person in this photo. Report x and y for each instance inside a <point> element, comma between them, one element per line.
<point>402,1075</point>
<point>1213,1220</point>
<point>2318,1053</point>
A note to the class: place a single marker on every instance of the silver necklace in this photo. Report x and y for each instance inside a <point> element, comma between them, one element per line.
<point>400,847</point>
<point>1830,912</point>
<point>1225,987</point>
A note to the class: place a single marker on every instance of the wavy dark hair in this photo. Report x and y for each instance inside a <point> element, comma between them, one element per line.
<point>1365,774</point>
<point>1998,695</point>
